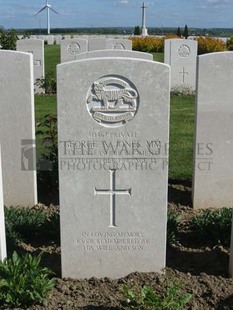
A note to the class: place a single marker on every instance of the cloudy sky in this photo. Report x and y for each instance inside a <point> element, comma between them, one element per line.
<point>117,13</point>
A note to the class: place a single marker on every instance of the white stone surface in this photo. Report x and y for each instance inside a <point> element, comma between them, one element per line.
<point>231,252</point>
<point>181,55</point>
<point>213,162</point>
<point>50,39</point>
<point>36,48</point>
<point>17,128</point>
<point>67,37</point>
<point>114,53</point>
<point>144,32</point>
<point>96,43</point>
<point>2,219</point>
<point>58,39</point>
<point>71,48</point>
<point>113,181</point>
<point>119,44</point>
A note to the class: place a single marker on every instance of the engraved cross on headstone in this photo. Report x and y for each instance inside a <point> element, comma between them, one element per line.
<point>112,191</point>
<point>183,74</point>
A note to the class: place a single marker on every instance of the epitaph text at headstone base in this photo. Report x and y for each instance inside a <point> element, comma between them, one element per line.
<point>181,55</point>
<point>36,48</point>
<point>2,219</point>
<point>71,48</point>
<point>213,162</point>
<point>113,117</point>
<point>114,53</point>
<point>231,252</point>
<point>17,129</point>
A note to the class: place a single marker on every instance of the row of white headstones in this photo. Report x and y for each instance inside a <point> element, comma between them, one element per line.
<point>212,182</point>
<point>180,54</point>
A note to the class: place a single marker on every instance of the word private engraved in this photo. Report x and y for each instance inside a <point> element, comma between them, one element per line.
<point>184,50</point>
<point>73,48</point>
<point>112,101</point>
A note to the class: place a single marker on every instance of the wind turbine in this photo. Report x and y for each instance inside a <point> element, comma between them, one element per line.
<point>48,7</point>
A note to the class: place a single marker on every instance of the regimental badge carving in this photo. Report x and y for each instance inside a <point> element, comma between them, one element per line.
<point>118,46</point>
<point>73,48</point>
<point>112,101</point>
<point>184,50</point>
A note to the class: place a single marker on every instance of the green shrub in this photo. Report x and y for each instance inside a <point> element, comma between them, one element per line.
<point>23,223</point>
<point>213,226</point>
<point>210,45</point>
<point>147,299</point>
<point>23,282</point>
<point>8,39</point>
<point>137,31</point>
<point>173,220</point>
<point>28,224</point>
<point>182,90</point>
<point>48,84</point>
<point>230,44</point>
<point>147,44</point>
<point>48,163</point>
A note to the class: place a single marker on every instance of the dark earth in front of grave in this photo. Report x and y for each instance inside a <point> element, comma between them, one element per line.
<point>203,270</point>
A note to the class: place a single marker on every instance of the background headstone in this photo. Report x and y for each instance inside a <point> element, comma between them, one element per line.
<point>96,44</point>
<point>50,39</point>
<point>213,162</point>
<point>2,219</point>
<point>114,53</point>
<point>71,48</point>
<point>113,116</point>
<point>17,128</point>
<point>36,48</point>
<point>57,39</point>
<point>181,55</point>
<point>119,44</point>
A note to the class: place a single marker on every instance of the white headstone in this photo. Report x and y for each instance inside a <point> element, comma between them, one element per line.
<point>67,37</point>
<point>71,48</point>
<point>2,219</point>
<point>113,116</point>
<point>50,39</point>
<point>213,162</point>
<point>114,53</point>
<point>181,55</point>
<point>231,252</point>
<point>96,44</point>
<point>57,39</point>
<point>17,128</point>
<point>36,48</point>
<point>119,44</point>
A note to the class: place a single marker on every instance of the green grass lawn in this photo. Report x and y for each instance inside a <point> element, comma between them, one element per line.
<point>44,105</point>
<point>181,137</point>
<point>181,120</point>
<point>158,57</point>
<point>52,58</point>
